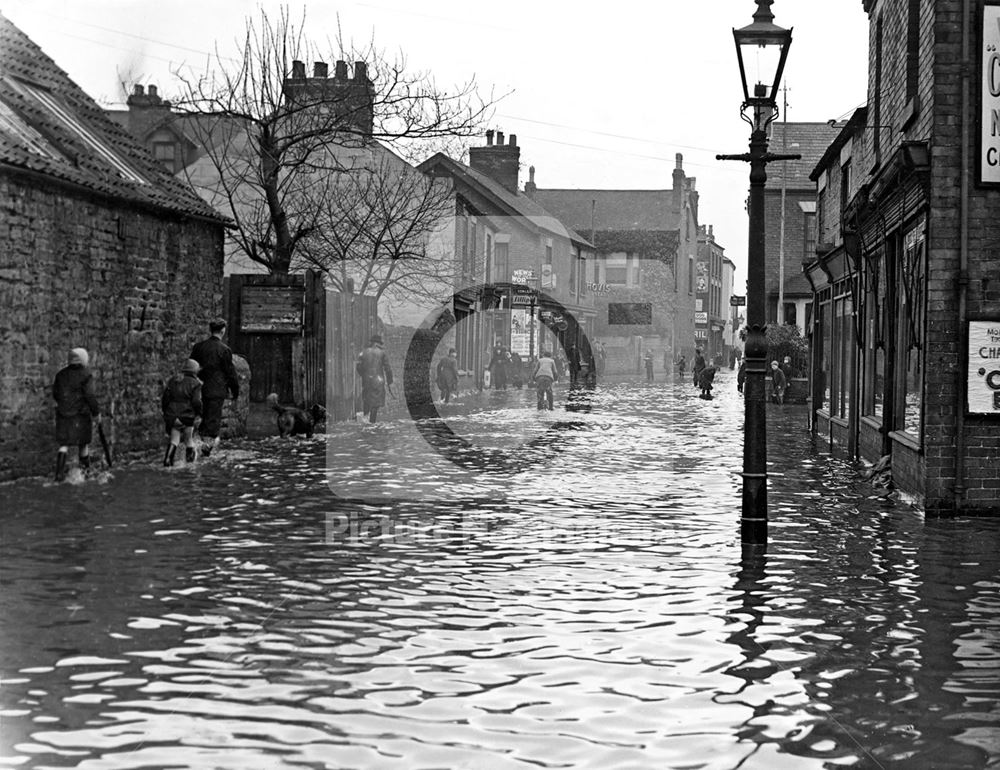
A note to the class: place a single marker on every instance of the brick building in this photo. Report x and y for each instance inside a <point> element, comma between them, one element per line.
<point>906,334</point>
<point>790,219</point>
<point>647,252</point>
<point>503,236</point>
<point>711,304</point>
<point>100,247</point>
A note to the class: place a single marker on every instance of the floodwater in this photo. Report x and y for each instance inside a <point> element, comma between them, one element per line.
<point>588,609</point>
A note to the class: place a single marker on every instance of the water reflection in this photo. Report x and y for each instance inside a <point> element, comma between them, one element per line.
<point>588,612</point>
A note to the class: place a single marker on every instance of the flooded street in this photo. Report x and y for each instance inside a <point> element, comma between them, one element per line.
<point>584,608</point>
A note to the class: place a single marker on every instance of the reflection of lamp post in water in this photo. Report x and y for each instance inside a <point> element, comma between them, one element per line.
<point>765,45</point>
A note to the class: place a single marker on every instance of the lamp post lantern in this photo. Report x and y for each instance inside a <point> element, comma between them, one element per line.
<point>761,48</point>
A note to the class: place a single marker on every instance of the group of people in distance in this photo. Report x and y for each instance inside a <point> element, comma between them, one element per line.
<point>780,375</point>
<point>196,393</point>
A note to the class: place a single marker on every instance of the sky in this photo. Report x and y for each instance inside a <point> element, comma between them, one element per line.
<point>600,95</point>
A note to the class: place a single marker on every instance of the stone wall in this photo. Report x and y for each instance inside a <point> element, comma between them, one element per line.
<point>134,288</point>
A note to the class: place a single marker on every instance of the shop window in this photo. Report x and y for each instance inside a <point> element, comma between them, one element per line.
<point>789,314</point>
<point>910,332</point>
<point>843,369</point>
<point>874,321</point>
<point>826,330</point>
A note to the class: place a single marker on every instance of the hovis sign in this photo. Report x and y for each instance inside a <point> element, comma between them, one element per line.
<point>984,368</point>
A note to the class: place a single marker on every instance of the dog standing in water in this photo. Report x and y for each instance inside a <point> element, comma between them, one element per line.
<point>293,421</point>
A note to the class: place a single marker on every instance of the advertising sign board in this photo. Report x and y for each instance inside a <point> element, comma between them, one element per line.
<point>983,379</point>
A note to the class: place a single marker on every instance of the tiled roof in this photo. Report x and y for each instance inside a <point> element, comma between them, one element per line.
<point>810,140</point>
<point>74,140</point>
<point>518,203</point>
<point>612,209</point>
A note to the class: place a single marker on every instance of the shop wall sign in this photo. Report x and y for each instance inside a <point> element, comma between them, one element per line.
<point>983,386</point>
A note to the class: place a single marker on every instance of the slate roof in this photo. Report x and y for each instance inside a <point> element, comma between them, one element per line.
<point>98,155</point>
<point>516,203</point>
<point>650,210</point>
<point>810,140</point>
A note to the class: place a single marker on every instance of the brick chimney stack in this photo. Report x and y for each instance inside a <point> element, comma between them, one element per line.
<point>146,111</point>
<point>530,187</point>
<point>501,162</point>
<point>351,99</point>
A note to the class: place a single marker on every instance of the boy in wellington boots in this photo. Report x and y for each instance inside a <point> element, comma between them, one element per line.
<point>182,405</point>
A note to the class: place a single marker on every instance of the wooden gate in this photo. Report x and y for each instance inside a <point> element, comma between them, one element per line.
<point>277,322</point>
<point>351,319</point>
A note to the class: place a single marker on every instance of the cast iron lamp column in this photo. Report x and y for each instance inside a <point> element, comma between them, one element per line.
<point>762,34</point>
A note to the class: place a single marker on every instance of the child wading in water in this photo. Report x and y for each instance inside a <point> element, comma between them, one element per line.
<point>181,406</point>
<point>76,407</point>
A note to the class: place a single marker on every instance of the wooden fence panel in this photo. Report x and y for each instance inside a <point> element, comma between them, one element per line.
<point>351,319</point>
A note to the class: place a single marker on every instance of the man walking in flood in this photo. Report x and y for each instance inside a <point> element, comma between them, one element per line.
<point>376,375</point>
<point>76,405</point>
<point>699,364</point>
<point>218,376</point>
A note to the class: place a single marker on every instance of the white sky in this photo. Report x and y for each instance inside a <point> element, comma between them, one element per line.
<point>603,94</point>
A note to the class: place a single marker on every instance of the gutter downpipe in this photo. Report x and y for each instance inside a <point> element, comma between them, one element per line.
<point>963,256</point>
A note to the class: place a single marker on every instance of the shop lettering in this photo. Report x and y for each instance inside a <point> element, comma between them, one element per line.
<point>985,352</point>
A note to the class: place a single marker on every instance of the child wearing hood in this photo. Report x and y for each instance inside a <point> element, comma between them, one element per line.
<point>182,405</point>
<point>76,406</point>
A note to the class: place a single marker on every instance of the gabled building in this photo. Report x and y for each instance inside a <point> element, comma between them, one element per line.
<point>102,248</point>
<point>790,219</point>
<point>906,339</point>
<point>646,253</point>
<point>504,239</point>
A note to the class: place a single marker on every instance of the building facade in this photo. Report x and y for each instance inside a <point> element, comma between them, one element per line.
<point>790,219</point>
<point>646,257</point>
<point>906,300</point>
<point>101,248</point>
<point>711,302</point>
<point>522,281</point>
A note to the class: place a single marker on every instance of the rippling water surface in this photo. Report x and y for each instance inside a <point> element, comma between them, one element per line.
<point>588,609</point>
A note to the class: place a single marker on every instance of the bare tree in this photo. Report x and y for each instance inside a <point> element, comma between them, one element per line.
<point>377,227</point>
<point>273,137</point>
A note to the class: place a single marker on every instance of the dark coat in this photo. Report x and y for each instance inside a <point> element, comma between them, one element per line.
<point>376,374</point>
<point>76,403</point>
<point>181,400</point>
<point>447,373</point>
<point>217,371</point>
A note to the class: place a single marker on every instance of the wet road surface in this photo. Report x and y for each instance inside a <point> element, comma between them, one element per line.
<point>360,601</point>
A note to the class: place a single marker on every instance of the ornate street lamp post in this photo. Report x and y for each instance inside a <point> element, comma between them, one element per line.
<point>762,48</point>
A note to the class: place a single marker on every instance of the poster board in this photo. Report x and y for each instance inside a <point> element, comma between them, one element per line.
<point>983,368</point>
<point>271,309</point>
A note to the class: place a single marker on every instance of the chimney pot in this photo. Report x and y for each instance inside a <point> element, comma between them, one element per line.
<point>340,71</point>
<point>152,92</point>
<point>531,174</point>
<point>489,134</point>
<point>360,71</point>
<point>499,137</point>
<point>680,160</point>
<point>512,140</point>
<point>320,70</point>
<point>710,231</point>
<point>138,90</point>
<point>298,70</point>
